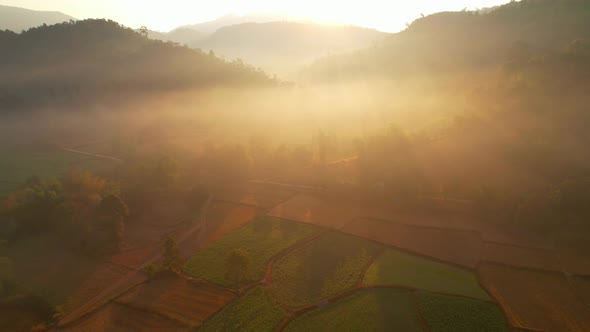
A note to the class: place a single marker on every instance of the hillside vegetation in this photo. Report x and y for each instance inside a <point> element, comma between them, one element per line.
<point>452,41</point>
<point>87,59</point>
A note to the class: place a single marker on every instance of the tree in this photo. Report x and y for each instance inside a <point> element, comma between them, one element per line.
<point>237,263</point>
<point>172,258</point>
<point>144,31</point>
<point>151,270</point>
<point>112,213</point>
<point>34,208</point>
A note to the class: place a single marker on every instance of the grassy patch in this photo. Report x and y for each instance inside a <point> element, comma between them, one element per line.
<point>19,164</point>
<point>252,312</point>
<point>261,239</point>
<point>365,310</point>
<point>457,314</point>
<point>397,268</point>
<point>322,268</point>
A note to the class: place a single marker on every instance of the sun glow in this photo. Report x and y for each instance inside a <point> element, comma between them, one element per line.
<point>166,15</point>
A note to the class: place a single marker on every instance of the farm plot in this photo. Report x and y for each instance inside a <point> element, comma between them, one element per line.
<point>134,258</point>
<point>117,317</point>
<point>521,257</point>
<point>535,300</point>
<point>254,312</point>
<point>396,268</point>
<point>316,210</point>
<point>101,277</point>
<point>457,314</point>
<point>365,310</point>
<point>179,299</point>
<point>457,247</point>
<point>261,239</point>
<point>322,268</point>
<point>226,217</point>
<point>259,195</point>
<point>577,263</point>
<point>51,270</point>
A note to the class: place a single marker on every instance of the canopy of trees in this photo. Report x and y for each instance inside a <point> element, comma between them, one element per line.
<point>454,41</point>
<point>92,58</point>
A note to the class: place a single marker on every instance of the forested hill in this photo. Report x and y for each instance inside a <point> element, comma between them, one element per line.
<point>91,58</point>
<point>452,41</point>
<point>18,19</point>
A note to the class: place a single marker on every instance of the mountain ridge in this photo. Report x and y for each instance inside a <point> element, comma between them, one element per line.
<point>17,19</point>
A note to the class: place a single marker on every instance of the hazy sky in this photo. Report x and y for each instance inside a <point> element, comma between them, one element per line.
<point>168,14</point>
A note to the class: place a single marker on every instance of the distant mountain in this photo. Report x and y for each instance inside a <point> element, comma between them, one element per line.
<point>93,58</point>
<point>18,19</point>
<point>212,26</point>
<point>455,40</point>
<point>183,36</point>
<point>281,47</point>
<point>195,33</point>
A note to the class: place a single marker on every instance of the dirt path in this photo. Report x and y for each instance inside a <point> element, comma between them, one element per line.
<point>93,155</point>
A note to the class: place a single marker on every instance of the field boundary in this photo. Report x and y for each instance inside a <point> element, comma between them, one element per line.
<point>103,298</point>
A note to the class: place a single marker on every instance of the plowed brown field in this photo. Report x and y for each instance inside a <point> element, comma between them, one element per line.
<point>134,258</point>
<point>256,195</point>
<point>535,300</point>
<point>575,263</point>
<point>115,317</point>
<point>458,247</point>
<point>103,276</point>
<point>521,257</point>
<point>178,299</point>
<point>316,210</point>
<point>221,219</point>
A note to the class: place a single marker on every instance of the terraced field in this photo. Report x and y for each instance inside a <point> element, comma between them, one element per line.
<point>521,257</point>
<point>254,312</point>
<point>365,310</point>
<point>396,268</point>
<point>456,314</point>
<point>178,299</point>
<point>261,239</point>
<point>355,279</point>
<point>226,217</point>
<point>536,300</point>
<point>314,210</point>
<point>117,317</point>
<point>322,268</point>
<point>457,247</point>
<point>254,194</point>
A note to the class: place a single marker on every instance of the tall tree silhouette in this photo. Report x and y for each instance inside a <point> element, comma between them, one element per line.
<point>144,31</point>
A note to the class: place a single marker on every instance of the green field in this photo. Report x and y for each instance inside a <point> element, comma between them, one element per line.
<point>252,312</point>
<point>457,314</point>
<point>19,164</point>
<point>366,310</point>
<point>396,268</point>
<point>261,239</point>
<point>322,268</point>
